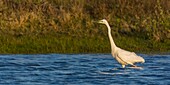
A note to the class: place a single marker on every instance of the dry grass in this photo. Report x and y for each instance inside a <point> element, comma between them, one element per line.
<point>147,19</point>
<point>74,17</point>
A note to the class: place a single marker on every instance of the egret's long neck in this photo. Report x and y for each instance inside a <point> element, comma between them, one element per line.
<point>113,46</point>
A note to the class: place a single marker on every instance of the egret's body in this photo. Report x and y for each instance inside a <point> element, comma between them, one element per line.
<point>122,56</point>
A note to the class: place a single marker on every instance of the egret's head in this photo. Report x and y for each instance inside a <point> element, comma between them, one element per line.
<point>103,21</point>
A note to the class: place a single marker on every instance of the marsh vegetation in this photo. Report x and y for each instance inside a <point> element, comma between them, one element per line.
<point>66,26</point>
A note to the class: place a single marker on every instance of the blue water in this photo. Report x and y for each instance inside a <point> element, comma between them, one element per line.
<point>81,69</point>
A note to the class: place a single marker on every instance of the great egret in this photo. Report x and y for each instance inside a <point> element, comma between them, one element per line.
<point>122,56</point>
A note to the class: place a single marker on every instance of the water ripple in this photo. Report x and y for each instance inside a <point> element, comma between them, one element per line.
<point>77,69</point>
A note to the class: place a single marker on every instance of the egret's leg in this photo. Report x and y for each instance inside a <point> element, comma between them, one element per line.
<point>123,66</point>
<point>134,65</point>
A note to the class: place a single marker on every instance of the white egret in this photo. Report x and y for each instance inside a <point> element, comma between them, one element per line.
<point>122,56</point>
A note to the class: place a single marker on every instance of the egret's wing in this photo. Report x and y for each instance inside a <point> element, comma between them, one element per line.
<point>126,56</point>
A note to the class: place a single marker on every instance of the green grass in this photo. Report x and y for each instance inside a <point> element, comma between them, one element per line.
<point>67,44</point>
<point>67,26</point>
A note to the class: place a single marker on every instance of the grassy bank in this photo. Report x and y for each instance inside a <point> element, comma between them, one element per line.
<point>66,26</point>
<point>67,44</point>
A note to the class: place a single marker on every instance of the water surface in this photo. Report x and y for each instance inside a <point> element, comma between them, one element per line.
<point>81,69</point>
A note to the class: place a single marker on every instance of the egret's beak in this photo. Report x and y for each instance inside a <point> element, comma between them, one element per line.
<point>96,21</point>
<point>99,21</point>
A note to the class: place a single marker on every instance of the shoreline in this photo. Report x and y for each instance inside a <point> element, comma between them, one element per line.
<point>65,44</point>
<point>60,26</point>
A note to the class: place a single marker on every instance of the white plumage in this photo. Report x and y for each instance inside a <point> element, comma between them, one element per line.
<point>122,56</point>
